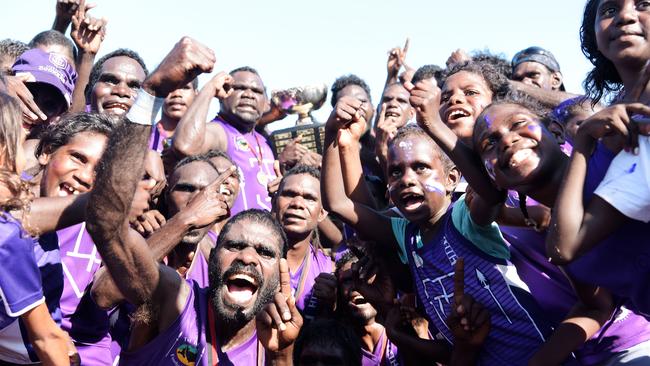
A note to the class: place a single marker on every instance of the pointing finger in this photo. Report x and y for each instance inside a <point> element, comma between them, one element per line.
<point>285,278</point>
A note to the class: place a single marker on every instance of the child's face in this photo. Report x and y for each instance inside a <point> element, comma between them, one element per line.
<point>623,31</point>
<point>515,148</point>
<point>464,96</point>
<point>417,181</point>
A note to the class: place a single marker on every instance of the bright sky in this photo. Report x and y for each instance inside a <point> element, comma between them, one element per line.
<point>294,42</point>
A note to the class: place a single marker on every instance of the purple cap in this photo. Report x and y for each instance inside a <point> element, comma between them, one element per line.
<point>49,68</point>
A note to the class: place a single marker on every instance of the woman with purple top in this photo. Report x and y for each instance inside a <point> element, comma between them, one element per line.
<point>21,292</point>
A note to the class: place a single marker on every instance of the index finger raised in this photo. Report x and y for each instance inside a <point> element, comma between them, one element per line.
<point>223,176</point>
<point>459,281</point>
<point>285,278</point>
<point>406,46</point>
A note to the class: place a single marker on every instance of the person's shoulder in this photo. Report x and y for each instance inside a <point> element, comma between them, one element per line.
<point>10,227</point>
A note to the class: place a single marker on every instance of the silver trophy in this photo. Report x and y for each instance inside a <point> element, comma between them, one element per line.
<point>301,101</point>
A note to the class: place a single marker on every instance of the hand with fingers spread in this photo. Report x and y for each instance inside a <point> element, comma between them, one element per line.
<point>469,320</point>
<point>274,184</point>
<point>32,114</point>
<point>222,85</point>
<point>385,130</point>
<point>279,323</point>
<point>208,206</point>
<point>325,290</point>
<point>66,9</point>
<point>87,32</point>
<point>292,153</point>
<point>425,99</point>
<point>396,59</point>
<point>187,60</point>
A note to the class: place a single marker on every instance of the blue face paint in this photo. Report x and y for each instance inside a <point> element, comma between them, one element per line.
<point>533,128</point>
<point>632,169</point>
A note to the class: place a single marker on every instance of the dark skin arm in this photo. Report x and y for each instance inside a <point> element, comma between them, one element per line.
<point>575,227</point>
<point>47,214</point>
<point>425,98</point>
<point>368,222</point>
<point>193,136</point>
<point>65,10</point>
<point>584,320</point>
<point>125,253</point>
<point>204,209</point>
<point>88,34</point>
<point>548,98</point>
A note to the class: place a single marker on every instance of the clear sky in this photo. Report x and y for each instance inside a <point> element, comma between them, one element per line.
<point>294,42</point>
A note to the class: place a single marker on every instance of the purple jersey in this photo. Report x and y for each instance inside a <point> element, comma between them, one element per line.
<point>20,289</point>
<point>385,353</point>
<point>517,329</point>
<point>185,341</point>
<point>159,140</point>
<point>199,271</point>
<point>86,323</point>
<point>620,263</point>
<point>254,158</point>
<point>302,282</point>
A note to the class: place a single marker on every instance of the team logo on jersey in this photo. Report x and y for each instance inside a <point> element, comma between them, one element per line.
<point>58,60</point>
<point>186,354</point>
<point>241,144</point>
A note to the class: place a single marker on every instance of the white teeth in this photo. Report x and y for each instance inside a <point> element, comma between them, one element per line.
<point>224,190</point>
<point>243,277</point>
<point>520,156</point>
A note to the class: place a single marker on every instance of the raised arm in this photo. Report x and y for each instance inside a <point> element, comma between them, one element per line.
<point>204,209</point>
<point>193,135</point>
<point>548,98</point>
<point>347,123</point>
<point>576,227</point>
<point>88,34</point>
<point>425,98</point>
<point>124,252</point>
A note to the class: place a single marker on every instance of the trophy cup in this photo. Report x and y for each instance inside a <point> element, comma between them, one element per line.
<point>301,101</point>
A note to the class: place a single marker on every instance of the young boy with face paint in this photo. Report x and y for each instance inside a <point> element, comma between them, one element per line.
<point>434,235</point>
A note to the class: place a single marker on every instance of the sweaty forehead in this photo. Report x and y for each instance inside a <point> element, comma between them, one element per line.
<point>301,182</point>
<point>354,91</point>
<point>464,79</point>
<point>122,65</point>
<point>254,233</point>
<point>396,90</point>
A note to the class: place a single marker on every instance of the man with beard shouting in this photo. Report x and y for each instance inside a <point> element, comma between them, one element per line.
<point>180,322</point>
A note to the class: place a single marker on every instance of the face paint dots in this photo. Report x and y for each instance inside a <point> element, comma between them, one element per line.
<point>433,185</point>
<point>405,145</point>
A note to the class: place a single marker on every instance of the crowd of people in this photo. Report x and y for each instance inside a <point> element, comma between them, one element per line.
<point>478,214</point>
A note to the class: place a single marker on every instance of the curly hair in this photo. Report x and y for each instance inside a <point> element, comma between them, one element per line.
<point>10,141</point>
<point>495,80</point>
<point>428,72</point>
<point>498,61</point>
<point>12,48</point>
<point>347,80</point>
<point>96,72</point>
<point>60,134</point>
<point>603,79</point>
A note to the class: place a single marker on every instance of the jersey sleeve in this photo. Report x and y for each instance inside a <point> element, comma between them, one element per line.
<point>20,279</point>
<point>487,238</point>
<point>398,225</point>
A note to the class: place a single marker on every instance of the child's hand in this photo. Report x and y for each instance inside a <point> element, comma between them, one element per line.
<point>469,321</point>
<point>425,98</point>
<point>349,119</point>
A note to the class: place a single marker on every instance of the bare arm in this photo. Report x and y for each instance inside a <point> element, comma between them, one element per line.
<point>193,135</point>
<point>583,321</point>
<point>330,235</point>
<point>369,223</point>
<point>47,214</point>
<point>425,98</point>
<point>49,341</point>
<point>549,98</point>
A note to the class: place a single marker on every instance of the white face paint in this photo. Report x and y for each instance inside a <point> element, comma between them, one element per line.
<point>433,185</point>
<point>489,167</point>
<point>405,145</point>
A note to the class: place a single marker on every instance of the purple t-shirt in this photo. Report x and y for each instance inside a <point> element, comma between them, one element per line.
<point>385,353</point>
<point>20,288</point>
<point>87,324</point>
<point>620,263</point>
<point>244,150</point>
<point>314,264</point>
<point>184,342</point>
<point>158,140</point>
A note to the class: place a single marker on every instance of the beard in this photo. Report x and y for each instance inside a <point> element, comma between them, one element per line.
<point>236,314</point>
